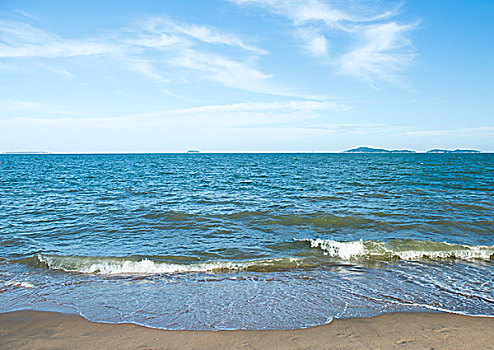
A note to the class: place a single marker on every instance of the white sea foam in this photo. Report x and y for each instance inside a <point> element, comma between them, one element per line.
<point>14,283</point>
<point>401,249</point>
<point>112,266</point>
<point>413,250</point>
<point>343,250</point>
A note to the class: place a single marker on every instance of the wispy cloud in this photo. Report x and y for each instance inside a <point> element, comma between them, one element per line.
<point>22,40</point>
<point>302,12</point>
<point>265,106</point>
<point>24,14</point>
<point>225,115</point>
<point>379,44</point>
<point>11,105</point>
<point>151,47</point>
<point>179,42</point>
<point>313,42</point>
<point>142,66</point>
<point>226,71</point>
<point>207,34</point>
<point>273,114</point>
<point>16,110</point>
<point>383,50</point>
<point>481,130</point>
<point>279,106</point>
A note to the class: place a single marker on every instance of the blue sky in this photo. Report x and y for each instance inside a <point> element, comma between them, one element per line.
<point>246,75</point>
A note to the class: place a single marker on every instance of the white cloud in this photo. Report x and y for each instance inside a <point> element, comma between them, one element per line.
<point>150,47</point>
<point>233,114</point>
<point>64,73</point>
<point>205,34</point>
<point>301,12</point>
<point>228,72</point>
<point>245,114</point>
<point>479,131</point>
<point>143,67</point>
<point>314,42</point>
<point>57,49</point>
<point>264,106</point>
<point>10,105</point>
<point>278,106</point>
<point>381,46</point>
<point>243,75</point>
<point>383,50</point>
<point>157,41</point>
<point>17,33</point>
<point>23,40</point>
<point>25,14</point>
<point>179,44</point>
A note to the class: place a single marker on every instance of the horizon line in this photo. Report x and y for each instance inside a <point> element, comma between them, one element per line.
<point>237,152</point>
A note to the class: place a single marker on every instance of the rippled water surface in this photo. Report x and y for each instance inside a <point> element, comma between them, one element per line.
<point>256,241</point>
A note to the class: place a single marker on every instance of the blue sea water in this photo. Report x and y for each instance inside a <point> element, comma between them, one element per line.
<point>246,241</point>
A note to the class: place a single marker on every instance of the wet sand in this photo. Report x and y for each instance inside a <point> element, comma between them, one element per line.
<point>49,330</point>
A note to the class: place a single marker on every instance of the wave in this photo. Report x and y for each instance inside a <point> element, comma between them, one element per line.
<point>16,284</point>
<point>402,249</point>
<point>333,252</point>
<point>115,265</point>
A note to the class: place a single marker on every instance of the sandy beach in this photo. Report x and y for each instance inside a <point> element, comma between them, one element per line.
<point>49,330</point>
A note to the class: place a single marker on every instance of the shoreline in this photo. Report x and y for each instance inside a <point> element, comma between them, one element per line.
<point>50,330</point>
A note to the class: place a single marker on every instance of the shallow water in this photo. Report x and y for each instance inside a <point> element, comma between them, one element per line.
<point>253,241</point>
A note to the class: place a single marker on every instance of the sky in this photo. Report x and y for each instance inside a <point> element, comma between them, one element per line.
<point>92,76</point>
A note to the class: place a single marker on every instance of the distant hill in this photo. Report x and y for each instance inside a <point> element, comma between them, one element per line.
<point>455,151</point>
<point>382,150</point>
<point>375,150</point>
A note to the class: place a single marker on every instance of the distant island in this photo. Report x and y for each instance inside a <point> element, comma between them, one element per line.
<point>455,151</point>
<point>193,151</point>
<point>26,152</point>
<point>381,150</point>
<point>375,150</point>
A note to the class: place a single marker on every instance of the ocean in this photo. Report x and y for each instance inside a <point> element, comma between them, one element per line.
<point>246,241</point>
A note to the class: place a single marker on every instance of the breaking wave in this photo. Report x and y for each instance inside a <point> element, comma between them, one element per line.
<point>402,249</point>
<point>114,265</point>
<point>308,257</point>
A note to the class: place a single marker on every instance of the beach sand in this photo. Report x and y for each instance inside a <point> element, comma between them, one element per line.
<point>49,330</point>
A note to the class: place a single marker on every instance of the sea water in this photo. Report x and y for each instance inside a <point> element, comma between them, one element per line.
<point>246,241</point>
